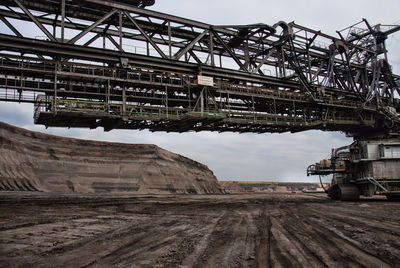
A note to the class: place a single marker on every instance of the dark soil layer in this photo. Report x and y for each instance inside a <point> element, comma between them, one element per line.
<point>266,230</point>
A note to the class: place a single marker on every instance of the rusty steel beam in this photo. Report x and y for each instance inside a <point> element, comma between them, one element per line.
<point>286,79</point>
<point>35,20</point>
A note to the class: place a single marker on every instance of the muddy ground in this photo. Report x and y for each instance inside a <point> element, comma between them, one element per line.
<point>269,230</point>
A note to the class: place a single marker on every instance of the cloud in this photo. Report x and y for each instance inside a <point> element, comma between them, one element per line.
<point>330,15</point>
<point>16,114</point>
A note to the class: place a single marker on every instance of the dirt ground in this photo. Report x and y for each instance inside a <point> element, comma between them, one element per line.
<point>268,230</point>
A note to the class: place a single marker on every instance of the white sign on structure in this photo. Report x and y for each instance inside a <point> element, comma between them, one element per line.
<point>205,80</point>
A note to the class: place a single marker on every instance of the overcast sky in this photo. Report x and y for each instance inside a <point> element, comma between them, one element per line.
<point>252,157</point>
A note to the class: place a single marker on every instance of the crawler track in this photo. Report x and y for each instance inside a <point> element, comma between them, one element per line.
<point>274,230</point>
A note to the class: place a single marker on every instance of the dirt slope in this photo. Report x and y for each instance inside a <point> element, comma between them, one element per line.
<point>269,230</point>
<point>35,161</point>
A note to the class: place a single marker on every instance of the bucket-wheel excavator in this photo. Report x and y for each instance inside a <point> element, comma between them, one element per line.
<point>371,164</point>
<point>117,65</point>
<point>366,167</point>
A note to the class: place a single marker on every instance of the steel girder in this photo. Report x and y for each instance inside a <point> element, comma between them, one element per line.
<point>325,72</point>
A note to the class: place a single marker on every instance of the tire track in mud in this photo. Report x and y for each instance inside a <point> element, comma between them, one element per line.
<point>228,242</point>
<point>370,209</point>
<point>88,251</point>
<point>368,235</point>
<point>141,248</point>
<point>263,247</point>
<point>210,231</point>
<point>353,220</point>
<point>131,242</point>
<point>337,249</point>
<point>202,243</point>
<point>290,252</point>
<point>218,252</point>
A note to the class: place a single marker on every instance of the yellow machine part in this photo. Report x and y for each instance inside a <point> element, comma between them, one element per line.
<point>340,169</point>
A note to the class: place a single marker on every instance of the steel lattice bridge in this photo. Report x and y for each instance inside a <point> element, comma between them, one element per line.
<point>114,64</point>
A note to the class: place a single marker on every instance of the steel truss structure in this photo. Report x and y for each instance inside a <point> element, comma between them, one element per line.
<point>112,64</point>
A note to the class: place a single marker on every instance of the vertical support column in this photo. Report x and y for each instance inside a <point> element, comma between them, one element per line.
<point>123,102</point>
<point>202,101</point>
<point>211,48</point>
<point>21,88</point>
<point>283,70</point>
<point>190,105</point>
<point>55,26</point>
<point>104,45</point>
<point>254,109</point>
<point>55,89</point>
<point>309,66</point>
<point>108,95</point>
<point>246,55</point>
<point>294,111</point>
<point>166,100</point>
<point>62,20</point>
<point>169,39</point>
<point>229,105</point>
<point>120,30</point>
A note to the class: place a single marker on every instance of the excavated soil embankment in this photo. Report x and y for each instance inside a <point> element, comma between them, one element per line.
<point>32,161</point>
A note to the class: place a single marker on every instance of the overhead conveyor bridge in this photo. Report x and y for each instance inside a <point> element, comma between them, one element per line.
<point>113,64</point>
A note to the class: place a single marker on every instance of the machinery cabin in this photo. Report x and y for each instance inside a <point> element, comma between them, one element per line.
<point>366,167</point>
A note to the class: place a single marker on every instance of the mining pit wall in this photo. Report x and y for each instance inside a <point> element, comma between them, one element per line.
<point>33,161</point>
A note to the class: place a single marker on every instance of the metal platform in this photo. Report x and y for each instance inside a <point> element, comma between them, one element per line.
<point>127,67</point>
